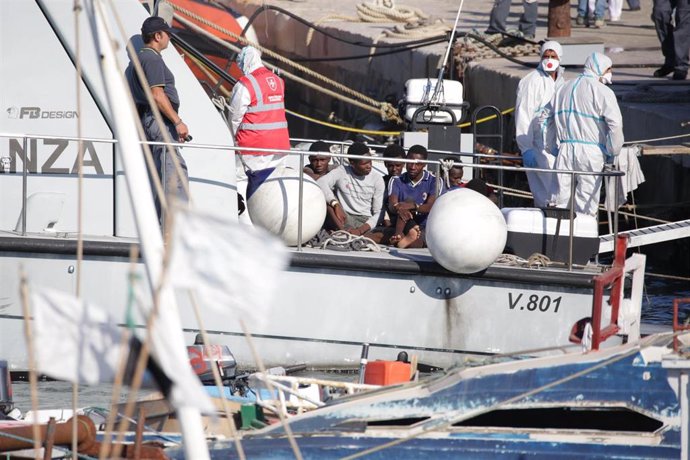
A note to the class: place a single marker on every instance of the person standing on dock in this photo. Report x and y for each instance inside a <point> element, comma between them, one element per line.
<point>589,129</point>
<point>675,40</point>
<point>499,16</point>
<point>155,33</point>
<point>256,112</point>
<point>535,91</point>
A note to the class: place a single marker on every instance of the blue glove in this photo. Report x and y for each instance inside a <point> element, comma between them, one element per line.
<point>529,159</point>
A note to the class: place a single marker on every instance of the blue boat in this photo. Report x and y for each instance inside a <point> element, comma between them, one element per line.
<point>629,401</point>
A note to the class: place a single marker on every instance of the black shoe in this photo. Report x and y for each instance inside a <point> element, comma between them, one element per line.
<point>662,71</point>
<point>636,8</point>
<point>680,74</point>
<point>510,41</point>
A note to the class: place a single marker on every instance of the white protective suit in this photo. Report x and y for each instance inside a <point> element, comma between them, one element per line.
<point>248,60</point>
<point>535,91</point>
<point>589,133</point>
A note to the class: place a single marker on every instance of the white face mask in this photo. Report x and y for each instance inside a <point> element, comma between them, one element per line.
<point>550,64</point>
<point>607,78</point>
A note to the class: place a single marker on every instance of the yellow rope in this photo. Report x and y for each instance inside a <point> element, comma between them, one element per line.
<point>491,117</point>
<point>344,128</point>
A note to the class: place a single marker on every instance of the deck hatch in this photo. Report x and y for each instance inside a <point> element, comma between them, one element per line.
<point>567,418</point>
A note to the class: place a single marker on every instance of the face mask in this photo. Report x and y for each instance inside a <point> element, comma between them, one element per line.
<point>607,78</point>
<point>550,64</point>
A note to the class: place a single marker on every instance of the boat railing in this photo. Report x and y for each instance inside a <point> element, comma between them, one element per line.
<point>437,164</point>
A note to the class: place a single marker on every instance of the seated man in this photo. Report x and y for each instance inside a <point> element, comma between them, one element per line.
<point>394,169</point>
<point>455,174</point>
<point>410,198</point>
<point>353,193</point>
<point>482,187</point>
<point>318,164</point>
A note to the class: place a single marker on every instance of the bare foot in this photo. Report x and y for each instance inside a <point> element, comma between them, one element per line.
<point>395,239</point>
<point>412,236</point>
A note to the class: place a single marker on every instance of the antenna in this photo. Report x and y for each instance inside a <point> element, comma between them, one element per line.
<point>439,81</point>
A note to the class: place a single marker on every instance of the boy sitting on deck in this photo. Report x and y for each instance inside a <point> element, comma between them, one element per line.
<point>410,198</point>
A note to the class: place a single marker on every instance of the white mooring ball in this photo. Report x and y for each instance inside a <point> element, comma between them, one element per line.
<point>465,231</point>
<point>273,199</point>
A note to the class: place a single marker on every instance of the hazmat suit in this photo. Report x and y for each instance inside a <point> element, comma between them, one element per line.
<point>535,91</point>
<point>589,132</point>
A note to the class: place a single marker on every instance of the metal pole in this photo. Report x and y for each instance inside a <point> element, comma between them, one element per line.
<point>299,205</point>
<point>24,185</point>
<point>559,18</point>
<point>572,220</point>
<point>615,212</point>
<point>363,362</point>
<point>683,397</point>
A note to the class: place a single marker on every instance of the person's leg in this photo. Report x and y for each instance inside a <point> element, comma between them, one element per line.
<point>499,16</point>
<point>561,194</point>
<point>599,13</point>
<point>528,20</point>
<point>177,181</point>
<point>681,39</point>
<point>634,5</point>
<point>661,16</point>
<point>399,231</point>
<point>615,9</point>
<point>588,188</point>
<point>542,184</point>
<point>581,12</point>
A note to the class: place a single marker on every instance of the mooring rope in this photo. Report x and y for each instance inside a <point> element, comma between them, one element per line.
<point>384,109</point>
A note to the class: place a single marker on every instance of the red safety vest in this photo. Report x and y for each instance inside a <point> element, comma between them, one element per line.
<point>264,124</point>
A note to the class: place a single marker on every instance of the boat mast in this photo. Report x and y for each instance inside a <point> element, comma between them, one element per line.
<point>145,217</point>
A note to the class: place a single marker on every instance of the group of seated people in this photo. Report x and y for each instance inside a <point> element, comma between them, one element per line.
<point>391,209</point>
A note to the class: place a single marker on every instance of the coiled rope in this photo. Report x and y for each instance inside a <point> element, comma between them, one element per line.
<point>416,23</point>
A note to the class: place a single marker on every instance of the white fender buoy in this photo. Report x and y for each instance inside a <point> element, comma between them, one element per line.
<point>273,200</point>
<point>465,231</point>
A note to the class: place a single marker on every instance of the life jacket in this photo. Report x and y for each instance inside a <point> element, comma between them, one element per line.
<point>264,124</point>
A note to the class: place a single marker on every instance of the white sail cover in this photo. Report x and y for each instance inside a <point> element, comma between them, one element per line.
<point>233,268</point>
<point>74,340</point>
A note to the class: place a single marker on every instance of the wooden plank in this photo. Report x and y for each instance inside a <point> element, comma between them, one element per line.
<point>665,150</point>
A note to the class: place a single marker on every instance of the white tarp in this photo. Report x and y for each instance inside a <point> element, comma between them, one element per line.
<point>74,340</point>
<point>233,268</point>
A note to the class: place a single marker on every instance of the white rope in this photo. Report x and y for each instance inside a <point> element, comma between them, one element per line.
<point>417,24</point>
<point>344,238</point>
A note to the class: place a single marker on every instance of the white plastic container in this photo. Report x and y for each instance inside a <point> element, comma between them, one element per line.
<point>530,231</point>
<point>420,91</point>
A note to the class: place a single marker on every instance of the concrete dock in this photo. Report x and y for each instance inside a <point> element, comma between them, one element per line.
<point>631,43</point>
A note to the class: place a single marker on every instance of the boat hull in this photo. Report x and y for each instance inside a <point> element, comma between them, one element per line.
<point>328,304</point>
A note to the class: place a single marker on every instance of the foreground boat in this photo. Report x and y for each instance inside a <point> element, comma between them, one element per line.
<point>624,402</point>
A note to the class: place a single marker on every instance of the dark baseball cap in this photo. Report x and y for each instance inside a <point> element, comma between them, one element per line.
<point>155,24</point>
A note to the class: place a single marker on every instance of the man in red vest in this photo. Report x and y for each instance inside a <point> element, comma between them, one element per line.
<point>256,112</point>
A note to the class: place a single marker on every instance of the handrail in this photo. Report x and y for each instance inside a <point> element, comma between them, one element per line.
<point>302,153</point>
<point>614,278</point>
<point>677,327</point>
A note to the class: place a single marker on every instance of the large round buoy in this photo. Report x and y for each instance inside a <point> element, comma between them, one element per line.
<point>273,200</point>
<point>465,231</point>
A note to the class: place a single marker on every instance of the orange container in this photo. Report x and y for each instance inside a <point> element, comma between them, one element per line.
<point>387,372</point>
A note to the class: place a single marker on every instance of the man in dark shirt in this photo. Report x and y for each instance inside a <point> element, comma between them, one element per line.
<point>155,33</point>
<point>410,198</point>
